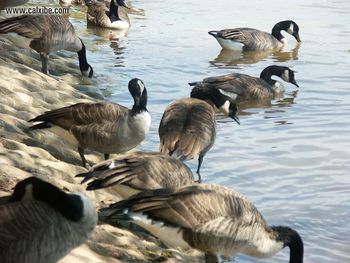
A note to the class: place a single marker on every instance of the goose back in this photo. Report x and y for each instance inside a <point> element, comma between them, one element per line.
<point>187,128</point>
<point>211,218</point>
<point>139,171</point>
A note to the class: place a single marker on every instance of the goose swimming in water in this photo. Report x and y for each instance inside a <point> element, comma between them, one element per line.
<point>41,224</point>
<point>103,127</point>
<point>241,87</point>
<point>209,218</point>
<point>244,38</point>
<point>48,33</point>
<point>114,17</point>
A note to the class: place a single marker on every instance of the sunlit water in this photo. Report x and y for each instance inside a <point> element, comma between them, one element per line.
<point>290,156</point>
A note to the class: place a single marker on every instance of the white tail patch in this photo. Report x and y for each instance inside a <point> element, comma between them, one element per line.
<point>229,44</point>
<point>172,236</point>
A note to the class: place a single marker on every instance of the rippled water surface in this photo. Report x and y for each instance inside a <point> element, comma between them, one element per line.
<point>290,156</point>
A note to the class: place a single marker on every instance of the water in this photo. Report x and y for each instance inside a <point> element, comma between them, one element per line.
<point>290,156</point>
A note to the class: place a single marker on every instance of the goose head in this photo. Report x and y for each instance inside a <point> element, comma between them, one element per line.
<point>224,103</point>
<point>284,73</point>
<point>289,26</point>
<point>70,206</point>
<point>138,91</point>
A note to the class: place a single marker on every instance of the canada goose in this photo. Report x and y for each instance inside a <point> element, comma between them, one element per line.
<point>187,128</point>
<point>138,171</point>
<point>40,223</point>
<point>207,217</point>
<point>113,17</point>
<point>243,87</point>
<point>48,33</point>
<point>243,38</point>
<point>9,3</point>
<point>103,127</point>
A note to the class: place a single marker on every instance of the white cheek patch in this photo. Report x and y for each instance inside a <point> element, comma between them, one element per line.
<point>225,108</point>
<point>141,85</point>
<point>291,29</point>
<point>228,94</point>
<point>285,75</point>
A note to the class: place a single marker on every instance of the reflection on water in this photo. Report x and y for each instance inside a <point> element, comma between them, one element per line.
<point>231,59</point>
<point>107,33</point>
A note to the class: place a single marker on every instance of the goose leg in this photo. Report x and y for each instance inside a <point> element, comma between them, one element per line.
<point>106,155</point>
<point>44,60</point>
<point>200,160</point>
<point>81,153</point>
<point>210,258</point>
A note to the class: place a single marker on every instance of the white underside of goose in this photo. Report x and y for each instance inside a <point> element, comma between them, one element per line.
<point>230,44</point>
<point>119,25</point>
<point>172,236</point>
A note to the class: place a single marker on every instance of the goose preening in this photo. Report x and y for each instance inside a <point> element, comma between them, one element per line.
<point>114,17</point>
<point>48,33</point>
<point>103,127</point>
<point>40,223</point>
<point>9,3</point>
<point>209,218</point>
<point>241,87</point>
<point>187,129</point>
<point>243,38</point>
<point>134,172</point>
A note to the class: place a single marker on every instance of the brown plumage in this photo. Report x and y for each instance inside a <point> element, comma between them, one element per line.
<point>244,38</point>
<point>9,3</point>
<point>242,87</point>
<point>103,127</point>
<point>131,173</point>
<point>48,33</point>
<point>187,128</point>
<point>210,218</point>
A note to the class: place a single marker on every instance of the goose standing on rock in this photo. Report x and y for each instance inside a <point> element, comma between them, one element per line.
<point>209,218</point>
<point>134,172</point>
<point>103,127</point>
<point>40,223</point>
<point>241,87</point>
<point>114,17</point>
<point>187,129</point>
<point>48,33</point>
<point>244,38</point>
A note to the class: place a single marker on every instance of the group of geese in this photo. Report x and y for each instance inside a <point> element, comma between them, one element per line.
<point>41,223</point>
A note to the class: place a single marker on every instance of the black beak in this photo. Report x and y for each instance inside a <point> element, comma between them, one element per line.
<point>296,35</point>
<point>235,117</point>
<point>294,83</point>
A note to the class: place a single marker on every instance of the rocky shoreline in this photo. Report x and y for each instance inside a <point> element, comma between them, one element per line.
<point>26,92</point>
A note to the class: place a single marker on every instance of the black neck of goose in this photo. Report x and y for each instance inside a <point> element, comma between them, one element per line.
<point>270,71</point>
<point>113,12</point>
<point>70,206</point>
<point>83,64</point>
<point>276,31</point>
<point>140,103</point>
<point>292,239</point>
